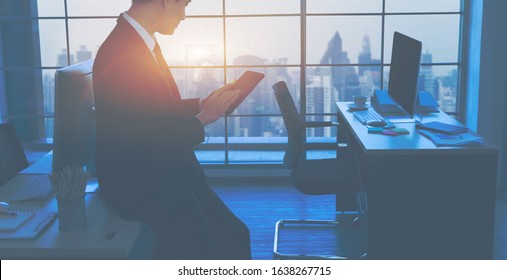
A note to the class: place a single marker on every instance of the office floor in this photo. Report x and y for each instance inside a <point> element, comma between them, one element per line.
<point>261,205</point>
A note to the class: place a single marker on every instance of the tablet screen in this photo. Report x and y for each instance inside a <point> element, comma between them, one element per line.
<point>245,84</point>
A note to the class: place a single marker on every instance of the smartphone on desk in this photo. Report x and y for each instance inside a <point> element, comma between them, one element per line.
<point>246,84</point>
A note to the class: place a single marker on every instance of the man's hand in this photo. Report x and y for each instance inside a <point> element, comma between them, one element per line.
<point>215,104</point>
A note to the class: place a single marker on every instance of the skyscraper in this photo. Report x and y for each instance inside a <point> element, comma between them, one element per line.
<point>83,54</point>
<point>345,79</point>
<point>61,59</point>
<point>426,79</point>
<point>369,75</point>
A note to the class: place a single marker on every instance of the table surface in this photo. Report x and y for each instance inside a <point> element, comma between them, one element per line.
<point>413,143</point>
<point>105,236</point>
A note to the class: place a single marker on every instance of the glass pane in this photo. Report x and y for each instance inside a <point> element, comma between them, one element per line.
<point>196,42</point>
<point>439,34</point>
<point>212,150</point>
<point>50,8</point>
<point>262,6</point>
<point>256,129</point>
<point>343,40</point>
<point>344,6</point>
<point>322,134</point>
<point>48,89</point>
<point>327,85</point>
<point>263,40</point>
<point>53,44</point>
<point>440,81</point>
<point>198,82</point>
<point>423,6</point>
<point>49,127</point>
<point>86,36</point>
<point>262,100</point>
<point>97,7</point>
<point>206,7</point>
<point>256,139</point>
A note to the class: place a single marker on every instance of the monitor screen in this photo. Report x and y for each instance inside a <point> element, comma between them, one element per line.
<point>74,116</point>
<point>404,73</point>
<point>12,159</point>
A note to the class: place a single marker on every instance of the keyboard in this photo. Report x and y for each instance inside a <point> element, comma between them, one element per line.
<point>32,187</point>
<point>365,116</point>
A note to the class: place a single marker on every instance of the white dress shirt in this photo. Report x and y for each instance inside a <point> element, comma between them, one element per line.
<point>148,38</point>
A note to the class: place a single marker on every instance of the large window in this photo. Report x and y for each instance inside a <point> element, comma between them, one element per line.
<point>325,50</point>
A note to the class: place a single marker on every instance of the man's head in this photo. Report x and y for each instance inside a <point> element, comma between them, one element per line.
<point>161,16</point>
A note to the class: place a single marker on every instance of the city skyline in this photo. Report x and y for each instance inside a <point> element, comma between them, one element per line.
<point>270,37</point>
<point>324,85</point>
<point>205,43</point>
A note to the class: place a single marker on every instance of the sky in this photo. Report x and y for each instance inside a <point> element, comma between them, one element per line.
<point>266,37</point>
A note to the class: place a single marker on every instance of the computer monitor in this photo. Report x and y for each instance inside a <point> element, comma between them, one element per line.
<point>404,73</point>
<point>13,158</point>
<point>74,135</point>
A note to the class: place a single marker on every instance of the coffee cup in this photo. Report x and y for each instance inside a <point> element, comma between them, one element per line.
<point>359,101</point>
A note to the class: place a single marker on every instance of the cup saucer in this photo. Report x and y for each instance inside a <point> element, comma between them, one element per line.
<point>353,107</point>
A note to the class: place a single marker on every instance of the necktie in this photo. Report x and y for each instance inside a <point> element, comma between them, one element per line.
<point>164,69</point>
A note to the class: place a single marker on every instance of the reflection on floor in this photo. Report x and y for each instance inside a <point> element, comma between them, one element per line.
<point>260,206</point>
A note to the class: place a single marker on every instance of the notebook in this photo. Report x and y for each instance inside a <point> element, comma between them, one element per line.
<point>454,140</point>
<point>443,127</point>
<point>32,228</point>
<point>12,219</point>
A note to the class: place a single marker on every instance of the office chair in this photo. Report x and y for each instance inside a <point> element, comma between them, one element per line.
<point>338,175</point>
<point>13,158</point>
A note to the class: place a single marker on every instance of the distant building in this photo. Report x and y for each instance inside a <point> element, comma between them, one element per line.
<point>83,54</point>
<point>61,59</point>
<point>369,75</point>
<point>426,79</point>
<point>345,79</point>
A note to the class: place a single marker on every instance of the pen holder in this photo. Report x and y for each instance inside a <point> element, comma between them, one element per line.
<point>71,213</point>
<point>69,185</point>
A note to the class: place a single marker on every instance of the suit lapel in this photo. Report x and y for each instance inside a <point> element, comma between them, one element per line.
<point>166,73</point>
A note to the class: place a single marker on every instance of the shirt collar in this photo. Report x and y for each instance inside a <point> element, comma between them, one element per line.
<point>148,38</point>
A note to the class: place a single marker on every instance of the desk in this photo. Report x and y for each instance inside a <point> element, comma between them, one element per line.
<point>424,202</point>
<point>106,235</point>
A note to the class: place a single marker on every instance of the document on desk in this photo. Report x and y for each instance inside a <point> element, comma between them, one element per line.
<point>12,219</point>
<point>454,140</point>
<point>31,228</point>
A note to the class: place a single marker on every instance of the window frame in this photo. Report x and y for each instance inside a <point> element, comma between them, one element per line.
<point>303,65</point>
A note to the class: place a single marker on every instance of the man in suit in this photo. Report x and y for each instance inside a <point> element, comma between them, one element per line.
<point>146,166</point>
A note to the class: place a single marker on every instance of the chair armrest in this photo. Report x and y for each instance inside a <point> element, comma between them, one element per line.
<point>320,124</point>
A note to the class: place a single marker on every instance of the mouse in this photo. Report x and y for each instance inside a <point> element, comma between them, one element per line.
<point>376,123</point>
<point>4,206</point>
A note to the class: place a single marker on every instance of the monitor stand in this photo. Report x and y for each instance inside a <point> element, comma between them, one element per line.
<point>400,118</point>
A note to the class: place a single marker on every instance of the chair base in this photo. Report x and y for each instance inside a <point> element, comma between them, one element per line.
<point>281,223</point>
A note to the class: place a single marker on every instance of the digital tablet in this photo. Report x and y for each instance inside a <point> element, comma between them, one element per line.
<point>245,84</point>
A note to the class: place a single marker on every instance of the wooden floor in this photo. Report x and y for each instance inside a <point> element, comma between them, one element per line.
<point>260,206</point>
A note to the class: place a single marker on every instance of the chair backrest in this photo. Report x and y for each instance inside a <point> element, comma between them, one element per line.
<point>74,135</point>
<point>12,156</point>
<point>293,124</point>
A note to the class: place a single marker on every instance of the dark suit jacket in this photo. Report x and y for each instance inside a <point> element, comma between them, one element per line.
<point>145,131</point>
